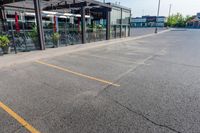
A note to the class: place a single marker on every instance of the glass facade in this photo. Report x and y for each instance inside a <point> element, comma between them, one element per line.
<point>115,16</point>
<point>115,22</point>
<point>120,22</point>
<point>96,27</point>
<point>126,14</point>
<point>126,17</point>
<point>69,29</point>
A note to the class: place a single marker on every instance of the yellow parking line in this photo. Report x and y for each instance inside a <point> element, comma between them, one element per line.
<point>77,73</point>
<point>18,118</point>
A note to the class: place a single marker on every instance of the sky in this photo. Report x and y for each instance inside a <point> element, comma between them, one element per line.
<point>149,7</point>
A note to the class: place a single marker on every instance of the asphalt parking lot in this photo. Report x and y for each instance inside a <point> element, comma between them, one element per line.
<point>144,31</point>
<point>148,85</point>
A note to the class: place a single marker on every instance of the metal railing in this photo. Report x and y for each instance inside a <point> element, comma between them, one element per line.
<point>94,35</point>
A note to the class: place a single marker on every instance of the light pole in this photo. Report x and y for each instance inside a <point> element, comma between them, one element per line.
<point>156,30</point>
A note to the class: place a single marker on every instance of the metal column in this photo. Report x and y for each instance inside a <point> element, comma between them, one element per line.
<point>108,25</point>
<point>129,32</point>
<point>1,19</point>
<point>13,37</point>
<point>121,23</point>
<point>39,24</point>
<point>4,25</point>
<point>83,24</point>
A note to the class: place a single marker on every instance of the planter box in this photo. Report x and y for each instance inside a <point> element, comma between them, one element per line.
<point>6,50</point>
<point>1,52</point>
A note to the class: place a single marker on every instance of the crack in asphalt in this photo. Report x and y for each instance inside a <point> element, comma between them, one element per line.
<point>139,114</point>
<point>143,116</point>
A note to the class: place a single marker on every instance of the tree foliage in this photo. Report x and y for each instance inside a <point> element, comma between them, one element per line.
<point>34,35</point>
<point>178,20</point>
<point>4,41</point>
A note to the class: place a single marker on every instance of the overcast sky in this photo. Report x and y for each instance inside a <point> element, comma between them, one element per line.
<point>149,7</point>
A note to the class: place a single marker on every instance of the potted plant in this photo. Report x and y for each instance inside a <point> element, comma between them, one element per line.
<point>33,34</point>
<point>99,27</point>
<point>4,44</point>
<point>55,39</point>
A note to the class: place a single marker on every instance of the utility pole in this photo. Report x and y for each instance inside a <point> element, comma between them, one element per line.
<point>156,30</point>
<point>170,8</point>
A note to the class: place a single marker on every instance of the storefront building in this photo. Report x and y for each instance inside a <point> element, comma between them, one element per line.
<point>148,21</point>
<point>195,22</point>
<point>75,22</point>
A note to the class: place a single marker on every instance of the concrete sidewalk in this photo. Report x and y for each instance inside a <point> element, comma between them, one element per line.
<point>14,59</point>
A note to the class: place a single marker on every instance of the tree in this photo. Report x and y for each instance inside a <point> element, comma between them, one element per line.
<point>177,20</point>
<point>171,21</point>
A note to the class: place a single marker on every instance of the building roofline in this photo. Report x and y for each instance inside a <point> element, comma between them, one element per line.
<point>119,6</point>
<point>56,3</point>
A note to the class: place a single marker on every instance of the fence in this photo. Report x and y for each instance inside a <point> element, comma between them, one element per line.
<point>27,40</point>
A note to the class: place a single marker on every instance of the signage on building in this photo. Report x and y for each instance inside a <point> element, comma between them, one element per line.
<point>151,19</point>
<point>161,19</point>
<point>138,20</point>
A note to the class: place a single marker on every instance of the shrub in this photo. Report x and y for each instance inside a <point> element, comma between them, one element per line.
<point>55,37</point>
<point>34,35</point>
<point>4,41</point>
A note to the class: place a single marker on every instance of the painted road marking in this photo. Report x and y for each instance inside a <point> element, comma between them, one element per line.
<point>77,73</point>
<point>18,118</point>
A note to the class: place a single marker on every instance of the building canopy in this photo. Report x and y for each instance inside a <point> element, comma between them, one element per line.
<point>60,4</point>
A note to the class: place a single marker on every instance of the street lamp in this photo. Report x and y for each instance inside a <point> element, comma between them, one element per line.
<point>156,30</point>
